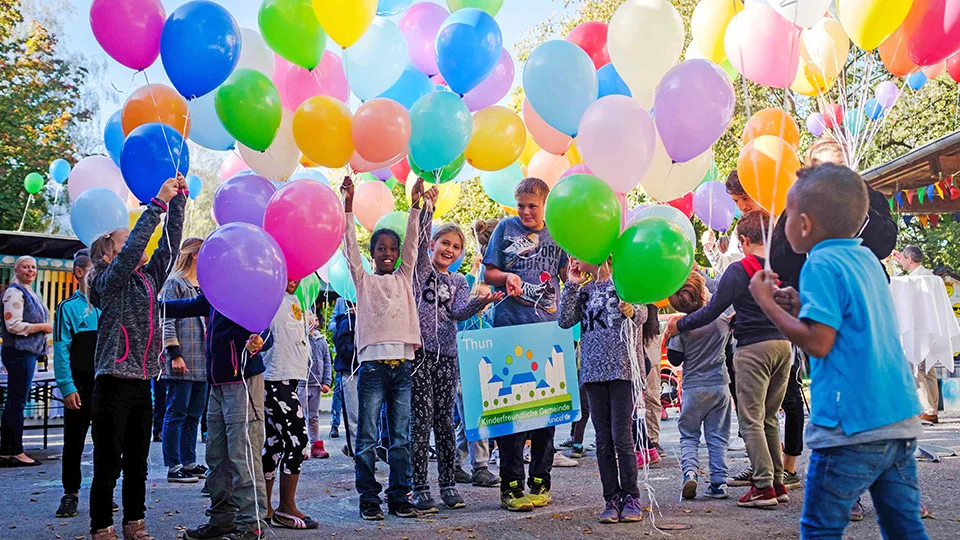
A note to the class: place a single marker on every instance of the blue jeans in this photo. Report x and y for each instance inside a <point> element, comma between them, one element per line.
<point>709,407</point>
<point>836,477</point>
<point>378,384</point>
<point>337,406</point>
<point>20,367</point>
<point>185,400</point>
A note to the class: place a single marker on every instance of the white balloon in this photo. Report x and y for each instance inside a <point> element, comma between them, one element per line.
<point>805,13</point>
<point>279,161</point>
<point>254,53</point>
<point>666,180</point>
<point>645,38</point>
<point>670,214</point>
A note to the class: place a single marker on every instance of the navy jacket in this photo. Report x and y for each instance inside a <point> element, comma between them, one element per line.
<point>343,342</point>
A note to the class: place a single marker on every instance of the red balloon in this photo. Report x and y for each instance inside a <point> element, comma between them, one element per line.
<point>592,38</point>
<point>953,67</point>
<point>932,31</point>
<point>684,204</point>
<point>833,115</point>
<point>401,170</point>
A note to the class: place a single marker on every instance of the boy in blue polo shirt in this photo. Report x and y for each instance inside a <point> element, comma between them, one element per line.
<point>843,319</point>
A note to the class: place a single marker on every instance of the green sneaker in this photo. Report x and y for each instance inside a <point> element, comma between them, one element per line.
<point>515,501</point>
<point>539,494</point>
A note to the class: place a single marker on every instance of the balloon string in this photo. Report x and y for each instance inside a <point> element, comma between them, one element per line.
<point>25,208</point>
<point>163,131</point>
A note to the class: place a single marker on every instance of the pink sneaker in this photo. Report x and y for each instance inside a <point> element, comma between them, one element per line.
<point>317,451</point>
<point>647,457</point>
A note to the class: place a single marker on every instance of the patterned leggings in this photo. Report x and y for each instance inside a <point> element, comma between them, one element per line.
<point>434,397</point>
<point>286,429</point>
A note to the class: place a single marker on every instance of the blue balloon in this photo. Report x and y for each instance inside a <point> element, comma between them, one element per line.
<point>610,83</point>
<point>97,211</point>
<point>113,136</point>
<point>375,62</point>
<point>311,174</point>
<point>195,186</point>
<point>59,170</point>
<point>561,83</point>
<point>199,47</point>
<point>469,45</point>
<point>387,8</point>
<point>205,127</point>
<point>854,121</point>
<point>873,109</point>
<point>152,154</point>
<point>440,128</point>
<point>411,86</point>
<point>916,80</point>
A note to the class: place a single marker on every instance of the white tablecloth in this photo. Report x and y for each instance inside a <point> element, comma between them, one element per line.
<point>928,327</point>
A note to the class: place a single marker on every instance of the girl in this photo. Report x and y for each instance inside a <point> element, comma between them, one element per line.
<point>125,286</point>
<point>608,374</point>
<point>318,383</point>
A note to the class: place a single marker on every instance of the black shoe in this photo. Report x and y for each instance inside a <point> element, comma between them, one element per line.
<point>371,511</point>
<point>482,477</point>
<point>208,532</point>
<point>156,436</point>
<point>205,491</point>
<point>246,535</point>
<point>432,454</point>
<point>402,509</point>
<point>181,476</point>
<point>451,498</point>
<point>114,506</point>
<point>200,471</point>
<point>461,476</point>
<point>68,506</point>
<point>423,501</point>
<point>382,454</point>
<point>346,451</point>
<point>334,432</point>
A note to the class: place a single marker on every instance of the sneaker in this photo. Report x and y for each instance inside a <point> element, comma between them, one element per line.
<point>494,457</point>
<point>759,498</point>
<point>461,476</point>
<point>526,454</point>
<point>68,506</point>
<point>198,470</point>
<point>647,457</point>
<point>381,454</point>
<point>317,451</point>
<point>423,501</point>
<point>856,513</point>
<point>451,498</point>
<point>136,530</point>
<point>567,444</point>
<point>631,511</point>
<point>246,535</point>
<point>105,534</point>
<point>781,491</point>
<point>560,460</point>
<point>371,511</point>
<point>745,478</point>
<point>346,451</point>
<point>482,477</point>
<point>432,454</point>
<point>792,480</point>
<point>716,491</point>
<point>181,476</point>
<point>334,432</point>
<point>592,447</point>
<point>515,501</point>
<point>208,532</point>
<point>402,509</point>
<point>689,485</point>
<point>114,506</point>
<point>611,512</point>
<point>205,490</point>
<point>577,451</point>
<point>540,497</point>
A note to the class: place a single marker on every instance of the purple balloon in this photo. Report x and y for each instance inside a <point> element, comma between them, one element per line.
<point>420,25</point>
<point>494,87</point>
<point>242,257</point>
<point>383,174</point>
<point>243,198</point>
<point>815,124</point>
<point>886,94</point>
<point>694,104</point>
<point>714,206</point>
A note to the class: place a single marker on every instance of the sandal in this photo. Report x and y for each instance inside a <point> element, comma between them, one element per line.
<point>287,521</point>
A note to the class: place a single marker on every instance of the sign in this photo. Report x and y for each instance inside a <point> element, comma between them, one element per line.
<point>517,378</point>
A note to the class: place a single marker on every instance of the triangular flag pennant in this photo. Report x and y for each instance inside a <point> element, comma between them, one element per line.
<point>921,194</point>
<point>956,216</point>
<point>930,191</point>
<point>907,220</point>
<point>934,220</point>
<point>899,198</point>
<point>910,194</point>
<point>939,191</point>
<point>954,193</point>
<point>890,201</point>
<point>923,220</point>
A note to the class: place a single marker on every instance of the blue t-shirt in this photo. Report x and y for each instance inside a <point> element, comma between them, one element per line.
<point>537,259</point>
<point>865,382</point>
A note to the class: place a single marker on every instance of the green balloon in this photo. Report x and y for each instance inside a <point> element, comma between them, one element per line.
<point>290,28</point>
<point>490,6</point>
<point>33,183</point>
<point>711,176</point>
<point>391,183</point>
<point>651,260</point>
<point>308,291</point>
<point>248,106</point>
<point>439,176</point>
<point>395,221</point>
<point>583,214</point>
<point>730,70</point>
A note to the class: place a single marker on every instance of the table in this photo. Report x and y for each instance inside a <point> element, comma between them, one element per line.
<point>928,327</point>
<point>44,384</point>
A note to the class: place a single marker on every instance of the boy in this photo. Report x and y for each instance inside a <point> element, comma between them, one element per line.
<point>706,395</point>
<point>842,319</point>
<point>523,260</point>
<point>761,361</point>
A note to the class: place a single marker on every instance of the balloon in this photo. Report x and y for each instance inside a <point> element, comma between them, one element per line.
<point>376,62</point>
<point>291,29</point>
<point>155,103</point>
<point>401,170</point>
<point>243,257</point>
<point>714,206</point>
<point>113,136</point>
<point>591,36</point>
<point>33,183</point>
<point>763,46</point>
<point>381,130</point>
<point>773,121</point>
<point>248,106</point>
<point>340,278</point>
<point>345,22</point>
<point>469,46</point>
<point>420,25</point>
<point>887,94</point>
<point>808,81</point>
<point>280,160</point>
<point>824,49</point>
<point>394,221</point>
<point>934,71</point>
<point>194,186</point>
<point>328,79</point>
<point>95,212</point>
<point>96,172</point>
<point>669,213</point>
<point>199,47</point>
<point>498,139</point>
<point>322,130</point>
<point>59,170</point>
<point>645,39</point>
<point>577,169</point>
<point>953,67</point>
<point>499,185</point>
<point>916,80</point>
<point>815,124</point>
<point>869,22</point>
<point>308,291</point>
<point>441,175</point>
<point>492,7</point>
<point>544,135</point>
<point>492,89</point>
<point>152,154</point>
<point>651,261</point>
<point>373,200</point>
<point>242,198</point>
<point>384,175</point>
<point>561,83</point>
<point>683,204</point>
<point>232,165</point>
<point>873,109</point>
<point>530,149</point>
<point>694,105</point>
<point>692,53</point>
<point>610,83</point>
<point>254,53</point>
<point>129,30</point>
<point>854,122</point>
<point>154,241</point>
<point>584,217</point>
<point>410,87</point>
<point>804,14</point>
<point>205,126</point>
<point>893,52</point>
<point>311,174</point>
<point>832,115</point>
<point>617,139</point>
<point>307,220</point>
<point>449,195</point>
<point>767,168</point>
<point>666,180</point>
<point>442,127</point>
<point>709,24</point>
<point>711,175</point>
<point>548,167</point>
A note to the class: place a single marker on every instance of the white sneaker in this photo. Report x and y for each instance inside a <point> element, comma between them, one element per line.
<point>494,457</point>
<point>526,454</point>
<point>736,444</point>
<point>560,460</point>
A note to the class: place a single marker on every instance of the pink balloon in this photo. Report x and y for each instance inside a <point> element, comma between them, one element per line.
<point>492,89</point>
<point>438,80</point>
<point>617,140</point>
<point>280,68</point>
<point>934,71</point>
<point>763,46</point>
<point>231,166</point>
<point>306,218</point>
<point>577,169</point>
<point>373,200</point>
<point>96,172</point>
<point>420,25</point>
<point>546,136</point>
<point>327,79</point>
<point>547,167</point>
<point>360,165</point>
<point>129,30</point>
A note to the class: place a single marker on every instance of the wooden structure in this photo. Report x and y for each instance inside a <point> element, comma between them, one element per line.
<point>932,168</point>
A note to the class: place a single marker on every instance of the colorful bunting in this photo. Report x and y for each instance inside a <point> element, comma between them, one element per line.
<point>921,194</point>
<point>899,197</point>
<point>923,220</point>
<point>956,216</point>
<point>907,219</point>
<point>934,220</point>
<point>910,193</point>
<point>930,191</point>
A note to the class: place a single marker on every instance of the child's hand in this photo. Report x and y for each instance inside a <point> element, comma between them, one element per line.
<point>72,401</point>
<point>347,190</point>
<point>417,193</point>
<point>708,240</point>
<point>574,273</point>
<point>254,343</point>
<point>671,329</point>
<point>475,266</point>
<point>490,297</point>
<point>178,366</point>
<point>763,286</point>
<point>627,309</point>
<point>788,299</point>
<point>514,285</point>
<point>169,190</point>
<point>324,388</point>
<point>431,197</point>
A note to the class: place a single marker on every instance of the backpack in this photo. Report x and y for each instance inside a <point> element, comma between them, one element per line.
<point>344,344</point>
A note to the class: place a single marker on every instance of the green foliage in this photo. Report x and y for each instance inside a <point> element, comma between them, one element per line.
<point>940,244</point>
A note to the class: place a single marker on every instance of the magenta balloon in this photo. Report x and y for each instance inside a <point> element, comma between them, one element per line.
<point>306,218</point>
<point>327,79</point>
<point>694,104</point>
<point>714,206</point>
<point>617,140</point>
<point>241,257</point>
<point>577,169</point>
<point>129,30</point>
<point>492,89</point>
<point>242,198</point>
<point>420,25</point>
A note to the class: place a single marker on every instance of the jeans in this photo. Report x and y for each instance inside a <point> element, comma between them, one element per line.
<point>793,411</point>
<point>541,459</point>
<point>611,404</point>
<point>337,404</point>
<point>159,404</point>
<point>762,372</point>
<point>837,476</point>
<point>310,401</point>
<point>708,406</point>
<point>580,426</point>
<point>75,426</point>
<point>477,451</point>
<point>20,368</point>
<point>185,401</point>
<point>379,383</point>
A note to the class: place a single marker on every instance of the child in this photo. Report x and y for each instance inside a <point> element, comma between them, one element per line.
<point>74,347</point>
<point>346,366</point>
<point>523,260</point>
<point>706,396</point>
<point>387,336</point>
<point>125,287</point>
<point>317,383</point>
<point>842,319</point>
<point>607,374</point>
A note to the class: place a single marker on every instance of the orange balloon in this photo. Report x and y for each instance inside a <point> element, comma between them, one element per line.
<point>893,52</point>
<point>381,130</point>
<point>322,131</point>
<point>768,168</point>
<point>775,122</point>
<point>155,103</point>
<point>663,303</point>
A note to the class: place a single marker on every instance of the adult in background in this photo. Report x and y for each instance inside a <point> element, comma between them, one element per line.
<point>911,260</point>
<point>24,331</point>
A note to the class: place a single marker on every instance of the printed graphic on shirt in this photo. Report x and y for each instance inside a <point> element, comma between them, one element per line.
<point>438,292</point>
<point>601,311</point>
<point>297,312</point>
<point>524,253</point>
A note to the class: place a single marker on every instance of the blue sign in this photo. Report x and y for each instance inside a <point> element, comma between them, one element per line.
<point>517,378</point>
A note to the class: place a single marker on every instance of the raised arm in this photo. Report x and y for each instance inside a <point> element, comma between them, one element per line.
<point>169,246</point>
<point>463,306</point>
<point>408,253</point>
<point>571,312</point>
<point>423,243</point>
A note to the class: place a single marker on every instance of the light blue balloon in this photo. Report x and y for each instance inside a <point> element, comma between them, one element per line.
<point>205,127</point>
<point>195,186</point>
<point>854,121</point>
<point>97,211</point>
<point>340,278</point>
<point>387,8</point>
<point>310,174</point>
<point>610,83</point>
<point>441,127</point>
<point>469,45</point>
<point>499,185</point>
<point>59,170</point>
<point>467,173</point>
<point>576,327</point>
<point>375,62</point>
<point>916,80</point>
<point>873,109</point>
<point>113,136</point>
<point>411,86</point>
<point>561,83</point>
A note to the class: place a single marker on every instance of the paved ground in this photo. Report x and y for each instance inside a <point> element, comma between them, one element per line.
<point>30,498</point>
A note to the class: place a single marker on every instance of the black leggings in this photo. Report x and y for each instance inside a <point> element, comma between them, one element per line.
<point>793,411</point>
<point>286,429</point>
<point>75,426</point>
<point>577,428</point>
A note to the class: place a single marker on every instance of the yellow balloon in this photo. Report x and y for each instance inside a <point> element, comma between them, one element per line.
<point>498,139</point>
<point>322,130</point>
<point>808,83</point>
<point>154,238</point>
<point>824,47</point>
<point>530,149</point>
<point>446,201</point>
<point>345,20</point>
<point>709,24</point>
<point>573,155</point>
<point>510,211</point>
<point>870,22</point>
